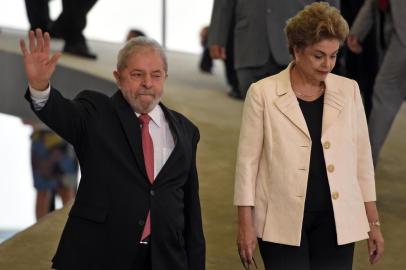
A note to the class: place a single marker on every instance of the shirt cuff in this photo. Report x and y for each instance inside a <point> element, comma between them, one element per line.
<point>36,94</point>
<point>39,98</point>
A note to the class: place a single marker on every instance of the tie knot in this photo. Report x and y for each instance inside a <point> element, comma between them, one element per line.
<point>144,119</point>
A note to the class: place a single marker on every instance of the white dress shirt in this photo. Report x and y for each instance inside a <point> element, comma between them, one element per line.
<point>161,134</point>
<point>161,138</point>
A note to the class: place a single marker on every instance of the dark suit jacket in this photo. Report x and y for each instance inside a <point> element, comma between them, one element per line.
<point>106,221</point>
<point>367,15</point>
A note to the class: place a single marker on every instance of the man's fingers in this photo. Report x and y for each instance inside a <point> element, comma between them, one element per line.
<point>217,52</point>
<point>214,52</point>
<point>47,42</point>
<point>55,58</point>
<point>40,40</point>
<point>353,44</point>
<point>31,38</point>
<point>23,47</point>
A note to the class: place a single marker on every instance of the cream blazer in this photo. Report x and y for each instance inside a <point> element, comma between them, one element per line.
<point>274,156</point>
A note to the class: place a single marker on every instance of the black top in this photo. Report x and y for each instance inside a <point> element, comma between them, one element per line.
<point>318,190</point>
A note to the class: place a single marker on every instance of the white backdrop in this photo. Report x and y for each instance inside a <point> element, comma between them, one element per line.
<point>17,194</point>
<point>109,20</point>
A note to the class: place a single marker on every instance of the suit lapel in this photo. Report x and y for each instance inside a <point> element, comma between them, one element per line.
<point>287,102</point>
<point>333,105</point>
<point>131,126</point>
<point>178,138</point>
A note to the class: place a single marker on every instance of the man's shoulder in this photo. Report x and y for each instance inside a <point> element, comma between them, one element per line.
<point>94,101</point>
<point>92,94</point>
<point>180,118</point>
<point>93,97</point>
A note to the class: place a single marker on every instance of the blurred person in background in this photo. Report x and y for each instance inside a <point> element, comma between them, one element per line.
<point>206,62</point>
<point>361,67</point>
<point>69,25</point>
<point>390,83</point>
<point>257,28</point>
<point>54,168</point>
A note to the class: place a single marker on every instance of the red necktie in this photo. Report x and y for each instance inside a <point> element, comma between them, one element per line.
<point>148,150</point>
<point>383,4</point>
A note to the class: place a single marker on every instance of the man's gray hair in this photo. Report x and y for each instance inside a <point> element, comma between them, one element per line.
<point>137,44</point>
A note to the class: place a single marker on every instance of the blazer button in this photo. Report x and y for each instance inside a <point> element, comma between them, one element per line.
<point>330,168</point>
<point>335,195</point>
<point>141,222</point>
<point>152,193</point>
<point>326,145</point>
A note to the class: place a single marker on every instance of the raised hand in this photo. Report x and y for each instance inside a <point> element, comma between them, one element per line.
<point>38,64</point>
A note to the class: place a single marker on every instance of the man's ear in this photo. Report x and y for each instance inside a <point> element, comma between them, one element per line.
<point>116,75</point>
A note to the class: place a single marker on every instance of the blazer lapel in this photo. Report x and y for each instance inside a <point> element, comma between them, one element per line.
<point>333,105</point>
<point>287,102</point>
<point>131,126</point>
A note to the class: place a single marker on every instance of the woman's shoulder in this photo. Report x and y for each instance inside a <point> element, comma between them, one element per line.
<point>267,85</point>
<point>339,80</point>
<point>343,84</point>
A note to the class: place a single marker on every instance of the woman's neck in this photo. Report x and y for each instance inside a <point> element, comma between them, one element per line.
<point>304,87</point>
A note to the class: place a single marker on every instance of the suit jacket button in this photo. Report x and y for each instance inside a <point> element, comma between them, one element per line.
<point>326,145</point>
<point>152,193</point>
<point>335,195</point>
<point>330,168</point>
<point>141,222</point>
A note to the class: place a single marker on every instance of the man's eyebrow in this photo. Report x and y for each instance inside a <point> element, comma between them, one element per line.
<point>137,70</point>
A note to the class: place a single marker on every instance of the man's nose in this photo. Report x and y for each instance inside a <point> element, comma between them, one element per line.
<point>147,82</point>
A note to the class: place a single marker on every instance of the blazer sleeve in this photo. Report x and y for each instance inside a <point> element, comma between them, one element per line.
<point>66,117</point>
<point>364,20</point>
<point>249,148</point>
<point>221,20</point>
<point>194,237</point>
<point>365,167</point>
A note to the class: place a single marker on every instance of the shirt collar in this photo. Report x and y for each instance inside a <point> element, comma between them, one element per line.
<point>156,115</point>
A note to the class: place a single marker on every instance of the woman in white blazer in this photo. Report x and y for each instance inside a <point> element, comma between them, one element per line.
<point>304,186</point>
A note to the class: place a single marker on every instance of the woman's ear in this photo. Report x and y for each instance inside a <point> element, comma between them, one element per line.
<point>296,52</point>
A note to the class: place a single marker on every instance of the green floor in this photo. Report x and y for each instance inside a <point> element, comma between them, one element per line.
<point>203,99</point>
